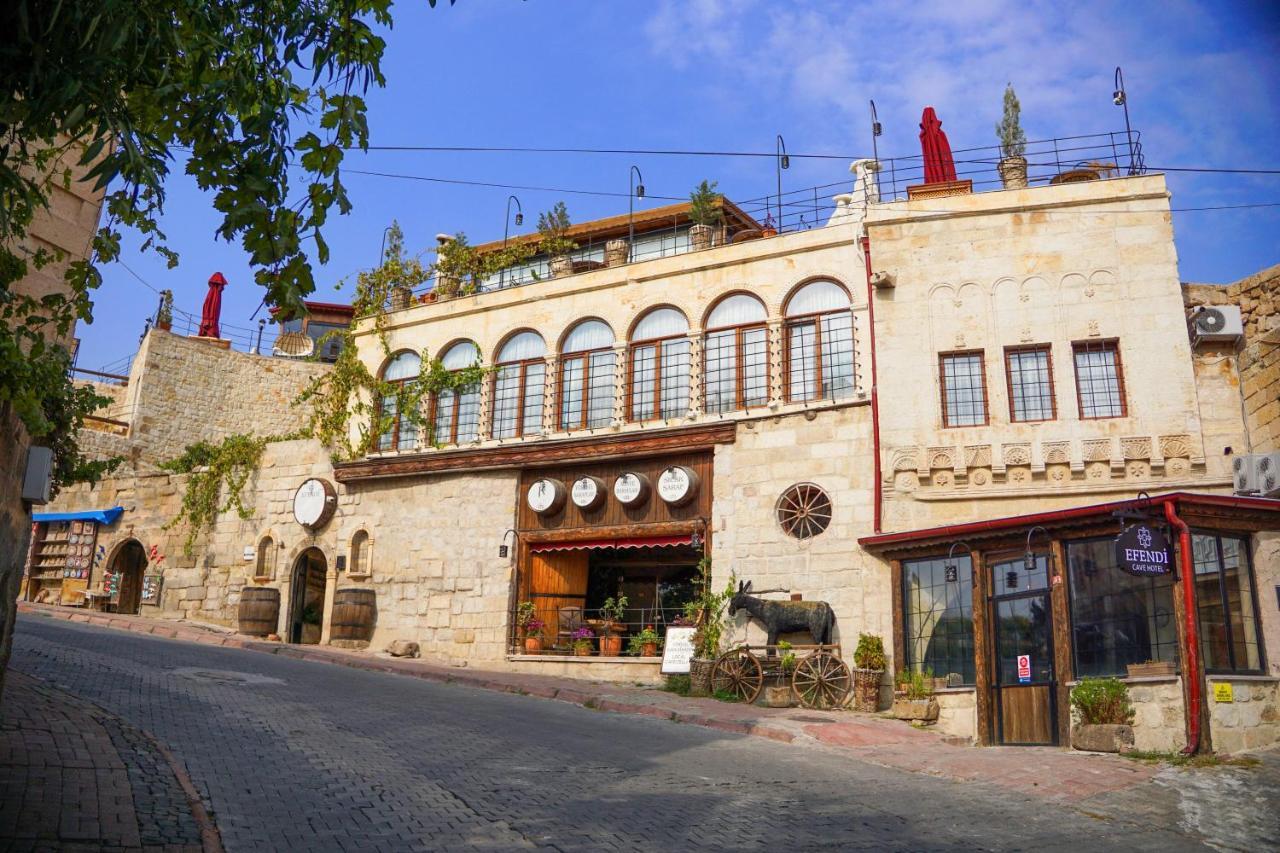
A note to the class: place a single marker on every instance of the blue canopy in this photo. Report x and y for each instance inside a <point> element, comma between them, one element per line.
<point>102,516</point>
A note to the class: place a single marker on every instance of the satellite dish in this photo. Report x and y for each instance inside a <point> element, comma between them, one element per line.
<point>293,345</point>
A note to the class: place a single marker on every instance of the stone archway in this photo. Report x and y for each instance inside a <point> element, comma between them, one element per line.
<point>307,597</point>
<point>129,561</point>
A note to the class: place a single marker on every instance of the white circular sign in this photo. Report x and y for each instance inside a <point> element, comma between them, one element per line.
<point>677,485</point>
<point>312,504</point>
<point>631,489</point>
<point>588,492</point>
<point>545,496</point>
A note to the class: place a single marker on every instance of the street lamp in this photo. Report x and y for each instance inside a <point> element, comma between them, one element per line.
<point>781,161</point>
<point>1120,99</point>
<point>382,252</point>
<point>876,130</point>
<point>636,181</point>
<point>506,227</point>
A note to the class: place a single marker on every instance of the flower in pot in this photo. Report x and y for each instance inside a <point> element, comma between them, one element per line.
<point>1105,714</point>
<point>553,228</point>
<point>705,212</point>
<point>457,267</point>
<point>645,643</point>
<point>164,315</point>
<point>769,228</point>
<point>1013,143</point>
<point>582,641</point>
<point>530,626</point>
<point>869,663</point>
<point>706,612</point>
<point>612,612</point>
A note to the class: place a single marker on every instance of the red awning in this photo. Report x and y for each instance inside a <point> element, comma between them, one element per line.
<point>635,542</point>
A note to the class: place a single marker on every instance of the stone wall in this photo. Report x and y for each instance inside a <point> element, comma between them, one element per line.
<point>15,525</point>
<point>1250,720</point>
<point>958,713</point>
<point>1159,721</point>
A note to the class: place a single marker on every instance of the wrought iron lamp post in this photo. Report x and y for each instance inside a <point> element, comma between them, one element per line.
<point>506,230</point>
<point>780,161</point>
<point>636,190</point>
<point>876,130</point>
<point>1120,99</point>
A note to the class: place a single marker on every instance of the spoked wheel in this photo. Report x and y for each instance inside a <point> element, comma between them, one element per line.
<point>739,673</point>
<point>822,681</point>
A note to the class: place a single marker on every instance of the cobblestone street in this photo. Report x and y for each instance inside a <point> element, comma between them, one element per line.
<point>296,755</point>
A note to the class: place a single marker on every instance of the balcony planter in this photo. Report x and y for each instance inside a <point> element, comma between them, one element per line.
<point>1151,669</point>
<point>1102,737</point>
<point>532,645</point>
<point>922,710</point>
<point>561,265</point>
<point>700,237</point>
<point>1013,172</point>
<point>615,253</point>
<point>401,297</point>
<point>610,645</point>
<point>700,676</point>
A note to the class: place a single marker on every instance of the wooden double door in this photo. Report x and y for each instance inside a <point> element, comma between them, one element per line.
<point>1024,684</point>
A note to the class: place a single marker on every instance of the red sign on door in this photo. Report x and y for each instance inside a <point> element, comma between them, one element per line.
<point>1024,669</point>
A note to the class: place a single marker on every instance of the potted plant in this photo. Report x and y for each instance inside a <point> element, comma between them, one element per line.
<point>777,692</point>
<point>457,268</point>
<point>311,624</point>
<point>869,664</point>
<point>705,212</point>
<point>706,611</point>
<point>612,612</point>
<point>1105,714</point>
<point>1013,143</point>
<point>1152,669</point>
<point>553,228</point>
<point>582,638</point>
<point>530,627</point>
<point>164,315</point>
<point>616,252</point>
<point>913,697</point>
<point>645,643</point>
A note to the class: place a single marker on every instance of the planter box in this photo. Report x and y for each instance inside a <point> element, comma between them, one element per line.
<point>777,697</point>
<point>866,689</point>
<point>1101,737</point>
<point>1152,669</point>
<point>700,676</point>
<point>925,710</point>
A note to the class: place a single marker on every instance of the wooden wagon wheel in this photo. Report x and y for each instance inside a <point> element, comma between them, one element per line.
<point>822,680</point>
<point>738,672</point>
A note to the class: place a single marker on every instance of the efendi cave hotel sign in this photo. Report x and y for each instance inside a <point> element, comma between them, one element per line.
<point>1143,551</point>
<point>314,503</point>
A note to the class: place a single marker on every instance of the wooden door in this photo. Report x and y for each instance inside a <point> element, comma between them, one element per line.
<point>556,579</point>
<point>1025,685</point>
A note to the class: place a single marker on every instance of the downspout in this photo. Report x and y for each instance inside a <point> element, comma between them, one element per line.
<point>1192,674</point>
<point>875,398</point>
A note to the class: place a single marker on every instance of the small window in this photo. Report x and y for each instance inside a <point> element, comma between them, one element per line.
<point>266,558</point>
<point>1099,379</point>
<point>1030,373</point>
<point>964,389</point>
<point>1225,600</point>
<point>938,617</point>
<point>360,553</point>
<point>804,510</point>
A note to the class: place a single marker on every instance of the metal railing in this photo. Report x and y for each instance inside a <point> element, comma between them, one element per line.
<point>557,632</point>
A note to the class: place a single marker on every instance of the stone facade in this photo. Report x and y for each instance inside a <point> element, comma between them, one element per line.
<point>15,525</point>
<point>1250,720</point>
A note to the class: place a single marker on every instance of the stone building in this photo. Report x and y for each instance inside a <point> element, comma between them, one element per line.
<point>935,414</point>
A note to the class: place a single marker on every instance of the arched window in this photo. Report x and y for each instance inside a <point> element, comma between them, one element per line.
<point>517,386</point>
<point>819,343</point>
<point>455,415</point>
<point>398,432</point>
<point>360,553</point>
<point>735,355</point>
<point>658,366</point>
<point>265,567</point>
<point>587,366</point>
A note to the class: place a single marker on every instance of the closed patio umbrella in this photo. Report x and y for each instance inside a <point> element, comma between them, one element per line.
<point>212,307</point>
<point>939,167</point>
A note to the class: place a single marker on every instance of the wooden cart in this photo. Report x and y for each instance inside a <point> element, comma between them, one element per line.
<point>820,679</point>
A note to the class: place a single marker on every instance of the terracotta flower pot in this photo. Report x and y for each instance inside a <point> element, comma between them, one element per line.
<point>610,645</point>
<point>532,645</point>
<point>649,650</point>
<point>582,651</point>
<point>768,232</point>
<point>164,325</point>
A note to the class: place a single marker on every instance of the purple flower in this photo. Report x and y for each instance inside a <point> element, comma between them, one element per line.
<point>583,633</point>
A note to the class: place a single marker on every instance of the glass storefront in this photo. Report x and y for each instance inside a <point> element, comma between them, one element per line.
<point>938,617</point>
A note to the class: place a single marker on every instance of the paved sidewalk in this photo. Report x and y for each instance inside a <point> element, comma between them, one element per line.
<point>75,778</point>
<point>1054,774</point>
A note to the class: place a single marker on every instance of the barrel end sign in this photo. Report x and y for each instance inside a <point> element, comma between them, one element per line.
<point>1143,551</point>
<point>314,503</point>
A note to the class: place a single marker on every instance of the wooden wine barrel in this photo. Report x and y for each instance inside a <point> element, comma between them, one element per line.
<point>354,613</point>
<point>259,610</point>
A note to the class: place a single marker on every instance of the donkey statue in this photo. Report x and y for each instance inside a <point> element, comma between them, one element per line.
<point>783,617</point>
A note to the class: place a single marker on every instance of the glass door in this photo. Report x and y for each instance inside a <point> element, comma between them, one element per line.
<point>1022,625</point>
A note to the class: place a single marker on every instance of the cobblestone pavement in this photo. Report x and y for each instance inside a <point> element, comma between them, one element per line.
<point>292,754</point>
<point>73,778</point>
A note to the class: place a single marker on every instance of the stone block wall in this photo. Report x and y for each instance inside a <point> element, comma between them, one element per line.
<point>958,713</point>
<point>15,525</point>
<point>1250,720</point>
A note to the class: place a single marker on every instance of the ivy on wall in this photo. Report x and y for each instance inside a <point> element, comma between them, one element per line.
<point>213,469</point>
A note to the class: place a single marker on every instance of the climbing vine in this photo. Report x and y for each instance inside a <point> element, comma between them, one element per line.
<point>212,467</point>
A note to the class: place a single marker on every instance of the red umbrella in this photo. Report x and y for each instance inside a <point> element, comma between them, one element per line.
<point>212,307</point>
<point>938,165</point>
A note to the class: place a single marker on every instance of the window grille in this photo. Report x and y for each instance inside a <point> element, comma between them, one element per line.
<point>938,617</point>
<point>964,389</point>
<point>1099,379</point>
<point>804,511</point>
<point>518,386</point>
<point>819,344</point>
<point>586,389</point>
<point>1030,376</point>
<point>455,416</point>
<point>1225,601</point>
<point>658,385</point>
<point>400,433</point>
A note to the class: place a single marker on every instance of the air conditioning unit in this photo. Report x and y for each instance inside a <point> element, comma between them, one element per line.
<point>1266,473</point>
<point>1242,474</point>
<point>1217,323</point>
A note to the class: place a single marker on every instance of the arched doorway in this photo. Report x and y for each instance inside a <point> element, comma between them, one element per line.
<point>306,597</point>
<point>129,563</point>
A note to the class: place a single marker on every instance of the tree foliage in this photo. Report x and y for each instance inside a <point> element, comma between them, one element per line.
<point>247,90</point>
<point>1012,140</point>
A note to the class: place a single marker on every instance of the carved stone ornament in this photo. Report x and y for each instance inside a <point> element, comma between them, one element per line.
<point>1136,448</point>
<point>903,459</point>
<point>1097,449</point>
<point>1137,470</point>
<point>1175,446</point>
<point>1056,452</point>
<point>942,478</point>
<point>1097,470</point>
<point>939,458</point>
<point>1019,474</point>
<point>1095,330</point>
<point>1058,473</point>
<point>1017,454</point>
<point>980,477</point>
<point>978,456</point>
<point>1177,467</point>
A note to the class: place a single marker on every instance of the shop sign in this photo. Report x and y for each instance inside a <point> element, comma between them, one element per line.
<point>250,553</point>
<point>314,503</point>
<point>677,651</point>
<point>631,489</point>
<point>546,496</point>
<point>1143,551</point>
<point>678,485</point>
<point>1222,692</point>
<point>588,493</point>
<point>151,585</point>
<point>1024,669</point>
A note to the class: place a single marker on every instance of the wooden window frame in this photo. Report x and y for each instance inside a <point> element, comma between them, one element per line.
<point>815,317</point>
<point>1114,345</point>
<point>395,424</point>
<point>942,384</point>
<point>524,366</point>
<point>629,395</point>
<point>457,411</point>
<point>1047,349</point>
<point>740,372</point>
<point>1246,541</point>
<point>562,363</point>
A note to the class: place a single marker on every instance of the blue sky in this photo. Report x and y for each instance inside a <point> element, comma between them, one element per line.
<point>1203,80</point>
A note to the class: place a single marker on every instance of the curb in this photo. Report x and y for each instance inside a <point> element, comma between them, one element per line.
<point>482,681</point>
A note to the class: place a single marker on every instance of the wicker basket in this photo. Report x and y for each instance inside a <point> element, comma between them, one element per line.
<point>700,676</point>
<point>866,689</point>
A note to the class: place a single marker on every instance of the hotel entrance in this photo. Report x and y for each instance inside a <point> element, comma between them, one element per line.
<point>1022,642</point>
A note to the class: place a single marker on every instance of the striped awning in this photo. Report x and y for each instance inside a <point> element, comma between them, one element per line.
<point>630,542</point>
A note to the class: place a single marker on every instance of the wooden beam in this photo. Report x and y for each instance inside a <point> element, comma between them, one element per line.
<point>899,617</point>
<point>982,647</point>
<point>1063,668</point>
<point>541,453</point>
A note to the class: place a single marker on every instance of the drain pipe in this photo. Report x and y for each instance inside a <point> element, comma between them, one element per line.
<point>1192,674</point>
<point>875,398</point>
